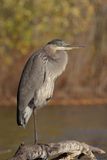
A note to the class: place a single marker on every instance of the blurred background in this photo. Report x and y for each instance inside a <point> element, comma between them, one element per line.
<point>27,25</point>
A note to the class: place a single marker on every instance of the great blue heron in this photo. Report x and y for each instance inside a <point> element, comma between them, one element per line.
<point>38,77</point>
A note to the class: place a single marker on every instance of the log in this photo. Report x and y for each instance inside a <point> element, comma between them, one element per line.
<point>66,150</point>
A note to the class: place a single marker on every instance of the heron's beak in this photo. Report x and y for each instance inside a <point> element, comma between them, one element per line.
<point>69,47</point>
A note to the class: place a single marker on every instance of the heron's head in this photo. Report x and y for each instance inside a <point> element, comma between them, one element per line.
<point>58,44</point>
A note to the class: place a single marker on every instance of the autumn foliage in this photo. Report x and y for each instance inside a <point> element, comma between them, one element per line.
<point>26,25</point>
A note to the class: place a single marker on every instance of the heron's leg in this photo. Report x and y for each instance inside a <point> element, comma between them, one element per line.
<point>35,125</point>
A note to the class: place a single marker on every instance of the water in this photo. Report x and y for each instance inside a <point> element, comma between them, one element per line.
<point>55,123</point>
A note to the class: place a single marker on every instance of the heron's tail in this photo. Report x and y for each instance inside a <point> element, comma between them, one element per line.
<point>23,116</point>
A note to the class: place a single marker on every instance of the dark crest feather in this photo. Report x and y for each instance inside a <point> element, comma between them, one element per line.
<point>57,42</point>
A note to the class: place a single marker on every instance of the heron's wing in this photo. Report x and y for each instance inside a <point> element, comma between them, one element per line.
<point>31,80</point>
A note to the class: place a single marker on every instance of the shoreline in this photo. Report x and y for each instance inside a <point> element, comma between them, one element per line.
<point>65,102</point>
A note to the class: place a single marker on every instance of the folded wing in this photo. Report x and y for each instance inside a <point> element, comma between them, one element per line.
<point>32,79</point>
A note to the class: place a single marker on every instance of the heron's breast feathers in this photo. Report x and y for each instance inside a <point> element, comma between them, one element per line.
<point>44,93</point>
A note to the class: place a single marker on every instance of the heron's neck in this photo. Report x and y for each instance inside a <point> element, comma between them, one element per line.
<point>58,62</point>
<point>50,50</point>
<point>61,59</point>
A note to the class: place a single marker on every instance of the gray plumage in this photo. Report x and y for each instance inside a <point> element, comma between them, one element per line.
<point>38,77</point>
